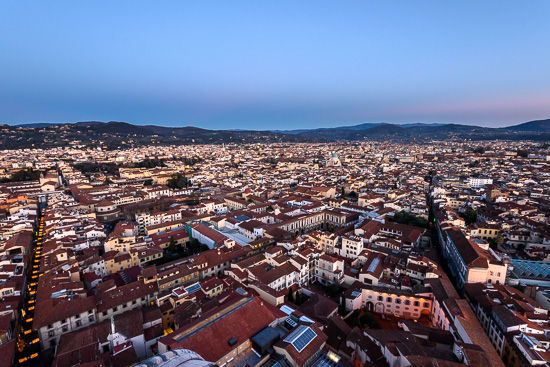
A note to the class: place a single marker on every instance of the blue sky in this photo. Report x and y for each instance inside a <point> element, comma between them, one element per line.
<point>275,64</point>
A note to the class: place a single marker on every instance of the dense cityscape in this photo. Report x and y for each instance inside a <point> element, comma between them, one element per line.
<point>275,183</point>
<point>289,254</point>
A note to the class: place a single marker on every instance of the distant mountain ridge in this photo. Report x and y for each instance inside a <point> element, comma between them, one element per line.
<point>364,126</point>
<point>116,134</point>
<point>537,126</point>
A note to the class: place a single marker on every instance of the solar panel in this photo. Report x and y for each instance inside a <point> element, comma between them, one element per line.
<point>373,264</point>
<point>301,337</point>
<point>291,322</point>
<point>304,340</point>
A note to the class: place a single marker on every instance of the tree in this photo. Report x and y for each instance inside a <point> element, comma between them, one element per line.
<point>23,175</point>
<point>178,181</point>
<point>107,181</point>
<point>470,216</point>
<point>479,150</point>
<point>492,243</point>
<point>299,299</point>
<point>332,290</point>
<point>367,320</point>
<point>342,308</point>
<point>520,288</point>
<point>194,246</point>
<point>403,217</point>
<point>172,245</point>
<point>290,295</point>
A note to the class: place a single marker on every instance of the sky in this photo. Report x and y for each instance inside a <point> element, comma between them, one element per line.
<point>268,65</point>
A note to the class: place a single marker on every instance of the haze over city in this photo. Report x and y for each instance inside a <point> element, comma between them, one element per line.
<point>283,65</point>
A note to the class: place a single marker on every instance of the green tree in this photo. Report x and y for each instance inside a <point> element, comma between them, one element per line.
<point>492,243</point>
<point>520,288</point>
<point>332,290</point>
<point>290,295</point>
<point>470,216</point>
<point>298,299</point>
<point>403,217</point>
<point>342,309</point>
<point>194,246</point>
<point>172,245</point>
<point>178,181</point>
<point>368,321</point>
<point>24,175</point>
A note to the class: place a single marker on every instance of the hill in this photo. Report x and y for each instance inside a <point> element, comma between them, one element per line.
<point>116,134</point>
<point>365,126</point>
<point>537,126</point>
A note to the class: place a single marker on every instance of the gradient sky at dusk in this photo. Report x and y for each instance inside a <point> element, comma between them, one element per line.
<point>275,64</point>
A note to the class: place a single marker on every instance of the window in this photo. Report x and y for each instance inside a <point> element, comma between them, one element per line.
<point>104,313</point>
<point>388,299</point>
<point>115,309</point>
<point>65,329</point>
<point>380,298</point>
<point>426,304</point>
<point>63,321</point>
<point>78,323</point>
<point>50,326</point>
<point>407,302</point>
<point>51,333</point>
<point>416,303</point>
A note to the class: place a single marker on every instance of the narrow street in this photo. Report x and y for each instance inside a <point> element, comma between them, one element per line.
<point>28,343</point>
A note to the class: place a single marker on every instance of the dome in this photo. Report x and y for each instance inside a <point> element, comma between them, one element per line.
<point>176,358</point>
